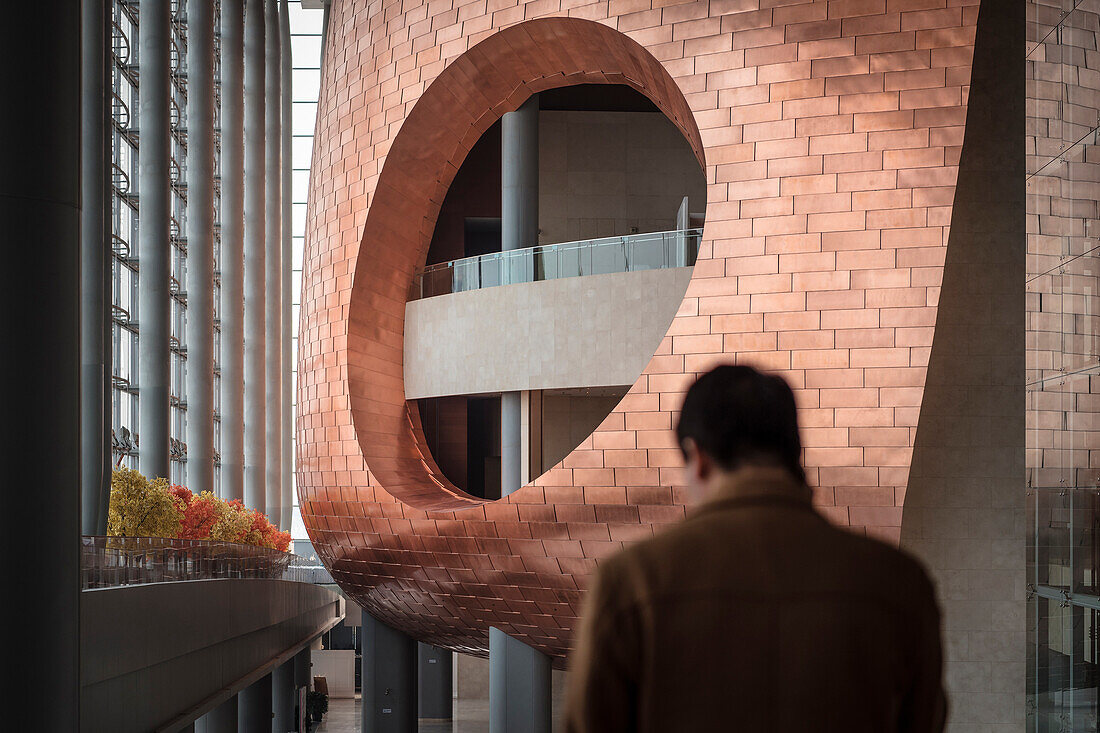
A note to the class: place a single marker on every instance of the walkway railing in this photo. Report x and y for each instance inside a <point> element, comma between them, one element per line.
<point>630,253</point>
<point>115,561</point>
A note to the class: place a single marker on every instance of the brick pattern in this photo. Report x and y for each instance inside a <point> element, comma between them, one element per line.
<point>829,133</point>
<point>1063,302</point>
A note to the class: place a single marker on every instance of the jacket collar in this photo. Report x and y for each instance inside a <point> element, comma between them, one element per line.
<point>758,484</point>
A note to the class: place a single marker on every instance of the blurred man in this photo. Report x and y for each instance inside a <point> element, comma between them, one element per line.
<point>755,614</point>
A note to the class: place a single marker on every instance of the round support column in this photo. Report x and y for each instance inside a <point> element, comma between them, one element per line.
<point>154,245</point>
<point>273,276</point>
<point>232,250</point>
<point>255,425</point>
<point>200,246</point>
<point>254,707</point>
<point>95,268</point>
<point>519,228</point>
<point>40,380</point>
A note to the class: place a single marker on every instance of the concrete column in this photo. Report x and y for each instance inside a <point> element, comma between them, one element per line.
<point>302,677</point>
<point>519,686</point>
<point>519,229</point>
<point>232,250</point>
<point>283,697</point>
<point>222,719</point>
<point>273,277</point>
<point>389,679</point>
<point>200,246</point>
<point>95,268</point>
<point>287,402</point>
<point>154,255</point>
<point>255,424</point>
<point>40,329</point>
<point>254,707</point>
<point>511,451</point>
<point>436,680</point>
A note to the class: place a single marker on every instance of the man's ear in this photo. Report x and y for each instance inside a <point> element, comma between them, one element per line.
<point>697,462</point>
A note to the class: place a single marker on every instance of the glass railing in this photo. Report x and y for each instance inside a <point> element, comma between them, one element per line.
<point>107,562</point>
<point>629,253</point>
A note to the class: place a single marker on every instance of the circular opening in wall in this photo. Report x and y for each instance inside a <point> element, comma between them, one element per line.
<point>615,192</point>
<point>620,197</point>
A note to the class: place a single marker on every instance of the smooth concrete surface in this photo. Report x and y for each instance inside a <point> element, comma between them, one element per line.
<point>157,656</point>
<point>255,413</point>
<point>470,716</point>
<point>154,246</point>
<point>337,666</point>
<point>95,267</point>
<point>589,331</point>
<point>40,378</point>
<point>231,344</point>
<point>519,228</point>
<point>964,511</point>
<point>254,714</point>
<point>388,679</point>
<point>222,719</point>
<point>273,267</point>
<point>283,697</point>
<point>519,686</point>
<point>199,374</point>
<point>436,681</point>
<point>605,174</point>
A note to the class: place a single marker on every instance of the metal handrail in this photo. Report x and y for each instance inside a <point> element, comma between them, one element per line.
<point>107,562</point>
<point>630,253</point>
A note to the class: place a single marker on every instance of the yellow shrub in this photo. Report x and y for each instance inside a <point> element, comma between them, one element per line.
<point>140,508</point>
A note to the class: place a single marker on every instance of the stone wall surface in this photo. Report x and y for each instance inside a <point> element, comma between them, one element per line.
<point>830,134</point>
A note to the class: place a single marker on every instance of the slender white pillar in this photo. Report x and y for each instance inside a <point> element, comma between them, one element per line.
<point>232,250</point>
<point>200,246</point>
<point>273,245</point>
<point>255,425</point>
<point>154,255</point>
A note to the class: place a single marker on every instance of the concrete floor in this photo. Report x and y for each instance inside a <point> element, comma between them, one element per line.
<point>471,716</point>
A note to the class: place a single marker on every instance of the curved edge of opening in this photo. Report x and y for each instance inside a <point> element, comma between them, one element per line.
<point>492,78</point>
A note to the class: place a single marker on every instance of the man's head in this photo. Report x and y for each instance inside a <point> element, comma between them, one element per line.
<point>733,417</point>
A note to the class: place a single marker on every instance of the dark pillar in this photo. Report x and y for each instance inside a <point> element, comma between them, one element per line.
<point>154,248</point>
<point>283,695</point>
<point>519,686</point>
<point>95,263</point>
<point>40,330</point>
<point>273,275</point>
<point>254,707</point>
<point>232,254</point>
<point>254,406</point>
<point>389,679</point>
<point>200,245</point>
<point>302,664</point>
<point>435,682</point>
<point>222,719</point>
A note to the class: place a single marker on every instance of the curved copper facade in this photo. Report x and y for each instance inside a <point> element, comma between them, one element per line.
<point>830,135</point>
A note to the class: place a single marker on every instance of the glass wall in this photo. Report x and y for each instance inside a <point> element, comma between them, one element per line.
<point>1063,392</point>
<point>305,42</point>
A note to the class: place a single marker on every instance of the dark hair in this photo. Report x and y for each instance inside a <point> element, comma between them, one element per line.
<point>737,415</point>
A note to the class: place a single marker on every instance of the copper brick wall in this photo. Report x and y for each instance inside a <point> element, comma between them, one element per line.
<point>830,134</point>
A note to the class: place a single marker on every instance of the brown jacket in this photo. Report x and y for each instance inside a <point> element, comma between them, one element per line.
<point>755,614</point>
